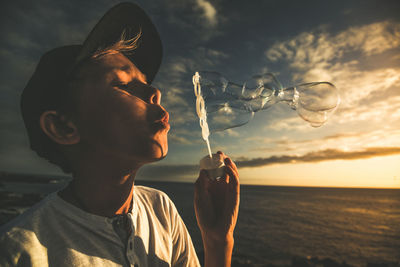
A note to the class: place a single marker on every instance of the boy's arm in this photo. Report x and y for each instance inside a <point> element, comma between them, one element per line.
<point>216,205</point>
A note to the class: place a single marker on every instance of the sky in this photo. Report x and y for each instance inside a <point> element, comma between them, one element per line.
<point>353,44</point>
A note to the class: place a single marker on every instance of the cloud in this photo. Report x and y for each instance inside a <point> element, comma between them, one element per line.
<point>172,138</point>
<point>185,135</point>
<point>319,46</point>
<point>322,155</point>
<point>380,113</point>
<point>188,19</point>
<point>359,61</point>
<point>290,124</point>
<point>190,171</point>
<point>209,12</point>
<point>228,132</point>
<point>343,140</point>
<point>341,58</point>
<point>168,172</point>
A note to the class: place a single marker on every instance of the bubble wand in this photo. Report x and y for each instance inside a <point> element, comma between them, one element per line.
<point>201,111</point>
<point>212,163</point>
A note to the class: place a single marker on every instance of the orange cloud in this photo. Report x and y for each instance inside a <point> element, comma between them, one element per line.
<point>322,155</point>
<point>186,172</point>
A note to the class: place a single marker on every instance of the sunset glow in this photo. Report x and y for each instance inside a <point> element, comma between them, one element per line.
<point>378,172</point>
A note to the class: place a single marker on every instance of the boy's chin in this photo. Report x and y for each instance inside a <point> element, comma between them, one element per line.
<point>148,153</point>
<point>158,152</point>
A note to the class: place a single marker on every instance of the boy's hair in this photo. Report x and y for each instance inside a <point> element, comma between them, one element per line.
<point>123,45</point>
<point>44,146</point>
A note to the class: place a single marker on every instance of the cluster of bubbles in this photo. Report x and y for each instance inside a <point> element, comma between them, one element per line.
<point>221,104</point>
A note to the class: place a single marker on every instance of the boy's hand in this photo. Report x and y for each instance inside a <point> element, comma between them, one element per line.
<point>216,204</point>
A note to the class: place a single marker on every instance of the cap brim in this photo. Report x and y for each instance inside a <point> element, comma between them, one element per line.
<point>130,19</point>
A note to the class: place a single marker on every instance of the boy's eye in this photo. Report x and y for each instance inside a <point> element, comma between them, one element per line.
<point>122,86</point>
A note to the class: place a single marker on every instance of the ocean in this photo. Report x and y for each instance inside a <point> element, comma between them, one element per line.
<point>277,226</point>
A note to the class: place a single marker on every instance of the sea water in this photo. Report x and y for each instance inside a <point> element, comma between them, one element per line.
<point>276,224</point>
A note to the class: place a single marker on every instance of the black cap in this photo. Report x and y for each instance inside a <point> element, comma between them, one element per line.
<point>46,88</point>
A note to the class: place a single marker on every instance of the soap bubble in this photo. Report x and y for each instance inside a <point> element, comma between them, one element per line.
<point>222,104</point>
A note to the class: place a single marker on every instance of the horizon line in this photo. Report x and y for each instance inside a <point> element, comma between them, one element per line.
<point>141,179</point>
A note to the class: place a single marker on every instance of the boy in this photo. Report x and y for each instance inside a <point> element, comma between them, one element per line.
<point>91,110</point>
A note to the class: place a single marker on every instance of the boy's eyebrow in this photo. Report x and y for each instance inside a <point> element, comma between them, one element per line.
<point>126,68</point>
<point>129,70</point>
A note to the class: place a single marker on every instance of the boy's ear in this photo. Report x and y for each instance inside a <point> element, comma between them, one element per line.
<point>59,128</point>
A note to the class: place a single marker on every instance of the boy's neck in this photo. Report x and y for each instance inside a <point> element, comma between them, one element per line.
<point>102,183</point>
<point>99,197</point>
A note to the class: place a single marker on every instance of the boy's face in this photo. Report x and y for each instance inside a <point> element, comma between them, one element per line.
<point>119,114</point>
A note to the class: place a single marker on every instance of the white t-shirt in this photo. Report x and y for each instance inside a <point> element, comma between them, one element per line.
<point>56,233</point>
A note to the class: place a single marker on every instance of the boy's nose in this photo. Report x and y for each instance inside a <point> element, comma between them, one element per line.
<point>155,97</point>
